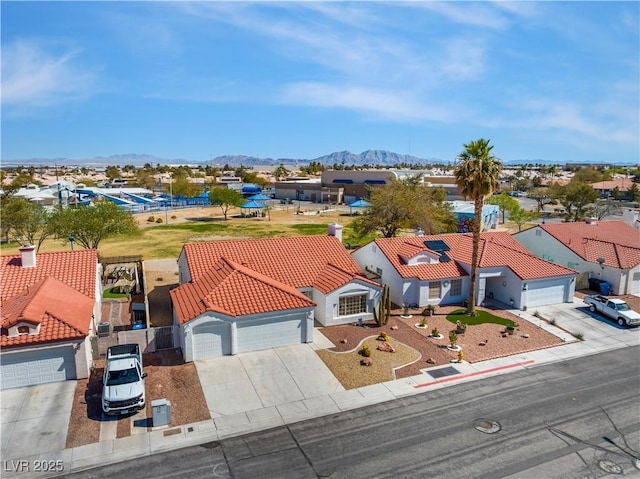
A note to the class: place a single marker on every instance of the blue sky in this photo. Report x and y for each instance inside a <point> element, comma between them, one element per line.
<point>557,81</point>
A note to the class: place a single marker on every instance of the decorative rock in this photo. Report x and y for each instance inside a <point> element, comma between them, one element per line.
<point>431,361</point>
<point>394,328</point>
<point>344,341</point>
<point>385,346</point>
<point>525,336</point>
<point>366,362</point>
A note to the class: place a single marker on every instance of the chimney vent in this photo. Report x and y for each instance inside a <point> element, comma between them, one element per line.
<point>28,253</point>
<point>336,230</point>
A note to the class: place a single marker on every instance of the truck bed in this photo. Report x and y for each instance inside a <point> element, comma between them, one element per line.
<point>123,350</point>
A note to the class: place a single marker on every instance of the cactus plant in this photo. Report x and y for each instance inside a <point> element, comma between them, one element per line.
<point>384,307</point>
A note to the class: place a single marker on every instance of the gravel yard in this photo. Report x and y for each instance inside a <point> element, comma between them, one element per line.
<point>479,343</point>
<point>167,377</point>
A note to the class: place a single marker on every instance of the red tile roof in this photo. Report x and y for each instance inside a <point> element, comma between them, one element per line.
<point>234,290</point>
<point>77,269</point>
<point>615,241</point>
<point>62,313</point>
<point>280,265</point>
<point>496,249</point>
<point>295,261</point>
<point>59,292</point>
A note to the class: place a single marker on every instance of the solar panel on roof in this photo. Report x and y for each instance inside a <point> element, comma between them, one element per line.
<point>437,245</point>
<point>444,258</point>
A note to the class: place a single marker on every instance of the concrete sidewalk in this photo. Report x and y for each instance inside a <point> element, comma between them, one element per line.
<point>266,389</point>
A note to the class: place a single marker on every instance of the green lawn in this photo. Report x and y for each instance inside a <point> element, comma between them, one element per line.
<point>108,293</point>
<point>481,317</point>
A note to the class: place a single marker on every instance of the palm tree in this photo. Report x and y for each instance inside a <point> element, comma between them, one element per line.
<point>477,175</point>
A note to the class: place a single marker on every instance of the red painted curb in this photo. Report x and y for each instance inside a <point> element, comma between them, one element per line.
<point>475,373</point>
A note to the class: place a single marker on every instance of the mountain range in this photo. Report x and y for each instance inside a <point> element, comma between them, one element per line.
<point>346,158</point>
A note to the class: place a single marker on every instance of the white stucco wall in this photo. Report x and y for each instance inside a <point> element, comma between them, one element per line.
<point>354,288</point>
<point>184,275</point>
<point>547,247</point>
<point>370,257</point>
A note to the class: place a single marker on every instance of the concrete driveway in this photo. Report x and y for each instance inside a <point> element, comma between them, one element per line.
<point>599,331</point>
<point>35,419</point>
<point>264,379</point>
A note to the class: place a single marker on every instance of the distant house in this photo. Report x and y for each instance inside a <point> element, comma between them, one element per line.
<point>606,250</point>
<point>435,269</point>
<point>50,309</point>
<point>244,295</point>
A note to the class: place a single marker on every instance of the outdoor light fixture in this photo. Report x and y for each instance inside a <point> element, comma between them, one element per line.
<point>601,262</point>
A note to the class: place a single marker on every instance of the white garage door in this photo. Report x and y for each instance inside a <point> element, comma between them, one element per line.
<point>37,367</point>
<point>211,339</point>
<point>541,295</point>
<point>635,283</point>
<point>263,334</point>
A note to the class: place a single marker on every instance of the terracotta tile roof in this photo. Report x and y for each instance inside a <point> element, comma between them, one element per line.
<point>234,290</point>
<point>77,269</point>
<point>295,261</point>
<point>332,277</point>
<point>496,249</point>
<point>62,313</point>
<point>615,241</point>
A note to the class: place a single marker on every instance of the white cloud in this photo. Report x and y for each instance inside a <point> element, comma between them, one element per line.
<point>33,77</point>
<point>388,104</point>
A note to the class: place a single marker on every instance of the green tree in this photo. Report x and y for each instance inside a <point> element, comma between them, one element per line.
<point>145,178</point>
<point>541,197</point>
<point>634,192</point>
<point>588,174</point>
<point>112,172</point>
<point>24,221</point>
<point>183,186</point>
<point>225,198</point>
<point>504,202</point>
<point>477,175</point>
<point>405,204</point>
<point>253,177</point>
<point>575,198</point>
<point>520,216</point>
<point>280,172</point>
<point>89,225</point>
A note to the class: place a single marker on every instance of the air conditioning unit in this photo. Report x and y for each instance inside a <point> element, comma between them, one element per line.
<point>104,329</point>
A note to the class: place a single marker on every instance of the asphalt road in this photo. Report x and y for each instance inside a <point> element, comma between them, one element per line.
<point>572,419</point>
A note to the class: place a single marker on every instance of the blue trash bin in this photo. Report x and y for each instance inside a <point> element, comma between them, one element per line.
<point>605,288</point>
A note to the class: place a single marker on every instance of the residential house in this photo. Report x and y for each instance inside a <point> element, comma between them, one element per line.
<point>50,309</point>
<point>244,295</point>
<point>606,250</point>
<point>435,269</point>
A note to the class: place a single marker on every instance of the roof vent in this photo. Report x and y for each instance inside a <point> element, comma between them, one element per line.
<point>28,253</point>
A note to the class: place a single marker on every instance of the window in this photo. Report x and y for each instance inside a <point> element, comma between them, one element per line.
<point>379,271</point>
<point>538,232</point>
<point>456,287</point>
<point>352,305</point>
<point>434,290</point>
<point>23,329</point>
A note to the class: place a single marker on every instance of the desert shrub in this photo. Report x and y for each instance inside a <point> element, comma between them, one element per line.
<point>365,351</point>
<point>159,220</point>
<point>173,217</point>
<point>383,337</point>
<point>151,219</point>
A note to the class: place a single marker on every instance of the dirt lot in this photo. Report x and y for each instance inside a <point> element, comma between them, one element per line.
<point>479,343</point>
<point>167,377</point>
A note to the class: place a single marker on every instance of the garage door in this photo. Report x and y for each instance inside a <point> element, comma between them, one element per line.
<point>37,367</point>
<point>635,283</point>
<point>263,334</point>
<point>211,339</point>
<point>541,295</point>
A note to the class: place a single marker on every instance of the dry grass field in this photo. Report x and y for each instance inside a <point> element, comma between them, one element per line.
<point>165,240</point>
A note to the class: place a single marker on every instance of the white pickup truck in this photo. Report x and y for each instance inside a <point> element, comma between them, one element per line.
<point>613,308</point>
<point>123,381</point>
